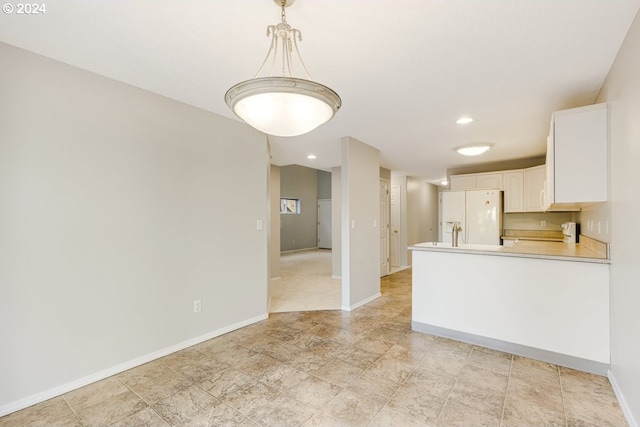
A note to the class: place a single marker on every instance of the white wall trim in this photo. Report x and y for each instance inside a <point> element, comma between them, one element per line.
<point>624,405</point>
<point>292,251</point>
<point>105,373</point>
<point>361,303</point>
<point>399,269</point>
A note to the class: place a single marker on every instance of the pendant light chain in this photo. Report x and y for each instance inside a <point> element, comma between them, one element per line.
<point>289,37</point>
<point>283,4</point>
<point>285,30</point>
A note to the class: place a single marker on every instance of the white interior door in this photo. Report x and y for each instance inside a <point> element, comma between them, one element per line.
<point>384,227</point>
<point>394,247</point>
<point>324,223</point>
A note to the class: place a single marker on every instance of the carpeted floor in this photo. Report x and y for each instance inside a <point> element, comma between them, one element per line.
<point>305,283</point>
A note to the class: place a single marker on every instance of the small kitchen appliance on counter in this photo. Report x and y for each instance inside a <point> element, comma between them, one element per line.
<point>569,230</point>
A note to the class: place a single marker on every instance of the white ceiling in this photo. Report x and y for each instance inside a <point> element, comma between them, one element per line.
<point>406,70</point>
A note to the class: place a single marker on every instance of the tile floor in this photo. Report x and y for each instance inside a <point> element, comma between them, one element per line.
<point>332,368</point>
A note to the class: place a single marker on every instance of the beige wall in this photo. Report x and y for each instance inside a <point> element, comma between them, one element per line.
<point>274,231</point>
<point>299,231</point>
<point>535,220</point>
<point>118,209</point>
<point>336,222</point>
<point>422,213</point>
<point>621,91</point>
<point>360,211</point>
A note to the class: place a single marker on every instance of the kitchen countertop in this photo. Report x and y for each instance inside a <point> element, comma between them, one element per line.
<point>524,249</point>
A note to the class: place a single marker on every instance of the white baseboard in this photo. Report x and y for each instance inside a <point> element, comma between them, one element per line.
<point>626,410</point>
<point>578,363</point>
<point>299,250</point>
<point>361,303</point>
<point>105,373</point>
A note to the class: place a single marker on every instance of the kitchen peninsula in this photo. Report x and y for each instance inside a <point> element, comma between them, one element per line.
<point>544,300</point>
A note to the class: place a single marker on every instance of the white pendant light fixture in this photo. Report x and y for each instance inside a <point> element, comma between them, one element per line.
<point>283,105</point>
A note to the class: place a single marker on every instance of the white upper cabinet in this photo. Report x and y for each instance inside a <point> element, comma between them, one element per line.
<point>463,182</point>
<point>534,188</point>
<point>476,181</point>
<point>489,180</point>
<point>514,191</point>
<point>576,174</point>
<point>523,190</point>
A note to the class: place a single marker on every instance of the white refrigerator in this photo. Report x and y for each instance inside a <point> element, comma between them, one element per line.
<point>479,213</point>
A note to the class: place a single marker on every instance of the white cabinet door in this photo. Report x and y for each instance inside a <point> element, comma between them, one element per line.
<point>577,157</point>
<point>476,181</point>
<point>533,188</point>
<point>462,182</point>
<point>489,181</point>
<point>514,191</point>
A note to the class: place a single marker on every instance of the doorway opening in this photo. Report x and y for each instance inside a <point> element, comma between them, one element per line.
<point>305,280</point>
<point>305,283</point>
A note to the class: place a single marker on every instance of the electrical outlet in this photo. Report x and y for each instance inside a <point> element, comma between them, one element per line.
<point>197,306</point>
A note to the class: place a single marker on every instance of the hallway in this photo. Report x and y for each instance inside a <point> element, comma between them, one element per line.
<point>305,283</point>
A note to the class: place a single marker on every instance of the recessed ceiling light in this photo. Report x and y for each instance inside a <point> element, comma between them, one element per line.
<point>312,156</point>
<point>464,120</point>
<point>444,182</point>
<point>473,150</point>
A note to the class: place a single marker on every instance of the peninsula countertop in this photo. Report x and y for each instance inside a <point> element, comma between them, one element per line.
<point>524,249</point>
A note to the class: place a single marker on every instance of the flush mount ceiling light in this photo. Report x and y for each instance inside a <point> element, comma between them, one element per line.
<point>283,105</point>
<point>464,120</point>
<point>312,157</point>
<point>473,150</point>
